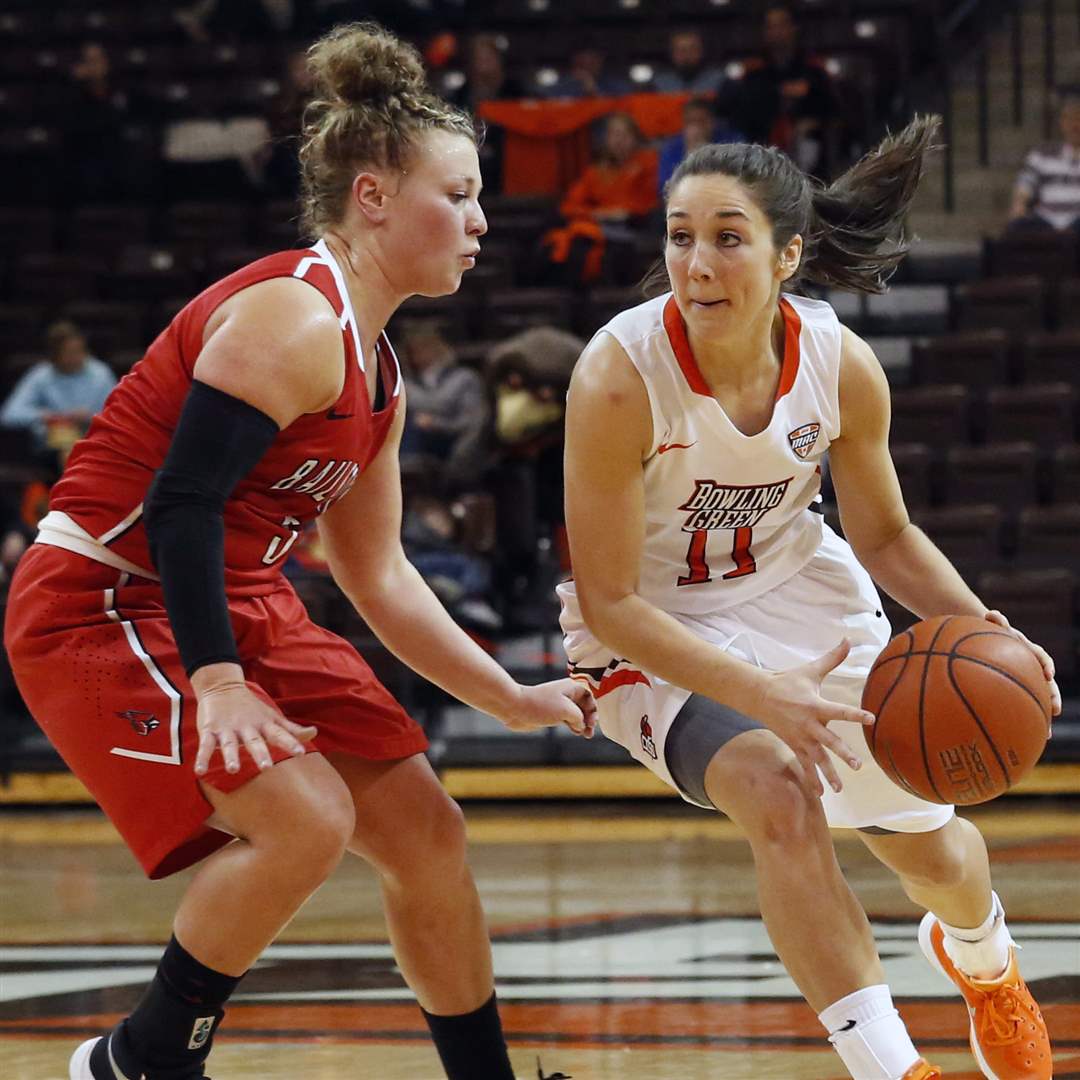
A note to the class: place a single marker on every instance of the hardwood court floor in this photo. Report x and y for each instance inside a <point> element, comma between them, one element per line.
<point>627,945</point>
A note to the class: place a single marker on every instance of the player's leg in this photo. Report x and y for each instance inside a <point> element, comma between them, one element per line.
<point>964,935</point>
<point>292,824</point>
<point>755,779</point>
<point>413,834</point>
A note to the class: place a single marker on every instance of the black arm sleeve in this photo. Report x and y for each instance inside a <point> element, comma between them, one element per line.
<point>218,440</point>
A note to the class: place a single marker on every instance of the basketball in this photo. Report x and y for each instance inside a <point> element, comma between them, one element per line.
<point>962,707</point>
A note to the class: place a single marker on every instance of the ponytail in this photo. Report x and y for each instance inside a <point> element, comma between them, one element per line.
<point>854,230</point>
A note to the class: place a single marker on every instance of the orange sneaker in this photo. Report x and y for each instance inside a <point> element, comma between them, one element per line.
<point>1007,1032</point>
<point>921,1070</point>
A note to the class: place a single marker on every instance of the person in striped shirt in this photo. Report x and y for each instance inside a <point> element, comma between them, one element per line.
<point>1047,192</point>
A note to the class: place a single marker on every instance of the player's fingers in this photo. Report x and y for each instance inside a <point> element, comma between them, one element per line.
<point>207,743</point>
<point>1044,658</point>
<point>256,746</point>
<point>1055,698</point>
<point>282,737</point>
<point>840,748</point>
<point>831,711</point>
<point>998,619</point>
<point>303,732</point>
<point>230,751</point>
<point>573,718</point>
<point>811,777</point>
<point>833,658</point>
<point>824,763</point>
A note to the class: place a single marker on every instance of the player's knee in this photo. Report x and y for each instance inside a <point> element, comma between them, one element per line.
<point>788,815</point>
<point>430,844</point>
<point>311,821</point>
<point>940,865</point>
<point>758,784</point>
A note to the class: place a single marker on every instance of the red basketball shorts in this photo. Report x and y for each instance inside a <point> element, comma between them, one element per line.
<point>97,666</point>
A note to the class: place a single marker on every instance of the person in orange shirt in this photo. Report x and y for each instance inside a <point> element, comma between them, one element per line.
<point>605,203</point>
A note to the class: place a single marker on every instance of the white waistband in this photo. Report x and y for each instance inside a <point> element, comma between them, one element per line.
<point>57,529</point>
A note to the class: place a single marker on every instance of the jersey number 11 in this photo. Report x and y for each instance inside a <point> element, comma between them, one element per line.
<point>699,568</point>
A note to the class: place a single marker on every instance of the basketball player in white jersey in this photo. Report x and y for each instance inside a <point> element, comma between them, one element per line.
<point>726,631</point>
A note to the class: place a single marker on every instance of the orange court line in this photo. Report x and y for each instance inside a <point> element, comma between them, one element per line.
<point>582,1023</point>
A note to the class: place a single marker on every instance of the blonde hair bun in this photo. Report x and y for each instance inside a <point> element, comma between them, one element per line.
<point>362,63</point>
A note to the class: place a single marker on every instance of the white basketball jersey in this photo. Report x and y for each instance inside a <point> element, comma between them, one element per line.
<point>726,514</point>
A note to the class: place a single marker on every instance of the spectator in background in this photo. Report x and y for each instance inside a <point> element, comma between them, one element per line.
<point>528,375</point>
<point>701,125</point>
<point>447,424</point>
<point>94,128</point>
<point>605,205</point>
<point>587,77</point>
<point>486,79</point>
<point>57,398</point>
<point>1047,192</point>
<point>282,171</point>
<point>786,98</point>
<point>689,72</point>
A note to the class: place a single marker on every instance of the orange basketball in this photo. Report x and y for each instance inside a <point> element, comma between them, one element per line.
<point>962,707</point>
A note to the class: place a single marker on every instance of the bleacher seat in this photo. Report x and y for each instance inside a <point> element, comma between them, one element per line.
<point>1043,253</point>
<point>1065,474</point>
<point>22,326</point>
<point>454,317</point>
<point>509,311</point>
<point>53,280</point>
<point>104,228</point>
<point>1047,537</point>
<point>972,537</point>
<point>31,164</point>
<point>602,305</point>
<point>909,309</point>
<point>1004,473</point>
<point>27,228</point>
<point>196,226</point>
<point>913,462</point>
<point>1051,358</point>
<point>108,326</point>
<point>1041,604</point>
<point>975,359</point>
<point>1068,304</point>
<point>145,272</point>
<point>1043,413</point>
<point>1015,304</point>
<point>937,415</point>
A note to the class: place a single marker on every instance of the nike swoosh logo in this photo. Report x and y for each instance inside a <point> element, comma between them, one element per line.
<point>331,415</point>
<point>663,448</point>
<point>848,1026</point>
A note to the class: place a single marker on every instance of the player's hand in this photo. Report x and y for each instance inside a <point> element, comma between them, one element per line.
<point>231,716</point>
<point>1045,660</point>
<point>794,709</point>
<point>563,701</point>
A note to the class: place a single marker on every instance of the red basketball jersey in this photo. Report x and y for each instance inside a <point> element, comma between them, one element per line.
<point>311,463</point>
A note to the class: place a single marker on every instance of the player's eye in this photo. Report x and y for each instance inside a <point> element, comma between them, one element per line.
<point>679,237</point>
<point>729,239</point>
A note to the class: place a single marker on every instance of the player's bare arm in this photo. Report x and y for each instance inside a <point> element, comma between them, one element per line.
<point>608,433</point>
<point>900,557</point>
<point>362,535</point>
<point>276,345</point>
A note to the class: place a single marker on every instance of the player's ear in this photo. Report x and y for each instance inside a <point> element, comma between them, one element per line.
<point>369,195</point>
<point>790,257</point>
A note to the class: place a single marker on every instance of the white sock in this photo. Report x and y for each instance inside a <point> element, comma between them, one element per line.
<point>868,1034</point>
<point>981,951</point>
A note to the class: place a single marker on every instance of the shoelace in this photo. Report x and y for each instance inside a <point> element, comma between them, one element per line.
<point>1003,1015</point>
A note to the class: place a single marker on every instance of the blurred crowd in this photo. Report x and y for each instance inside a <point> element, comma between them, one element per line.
<point>482,451</point>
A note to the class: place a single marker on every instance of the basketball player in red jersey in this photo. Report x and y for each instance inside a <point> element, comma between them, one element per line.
<point>707,624</point>
<point>157,643</point>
